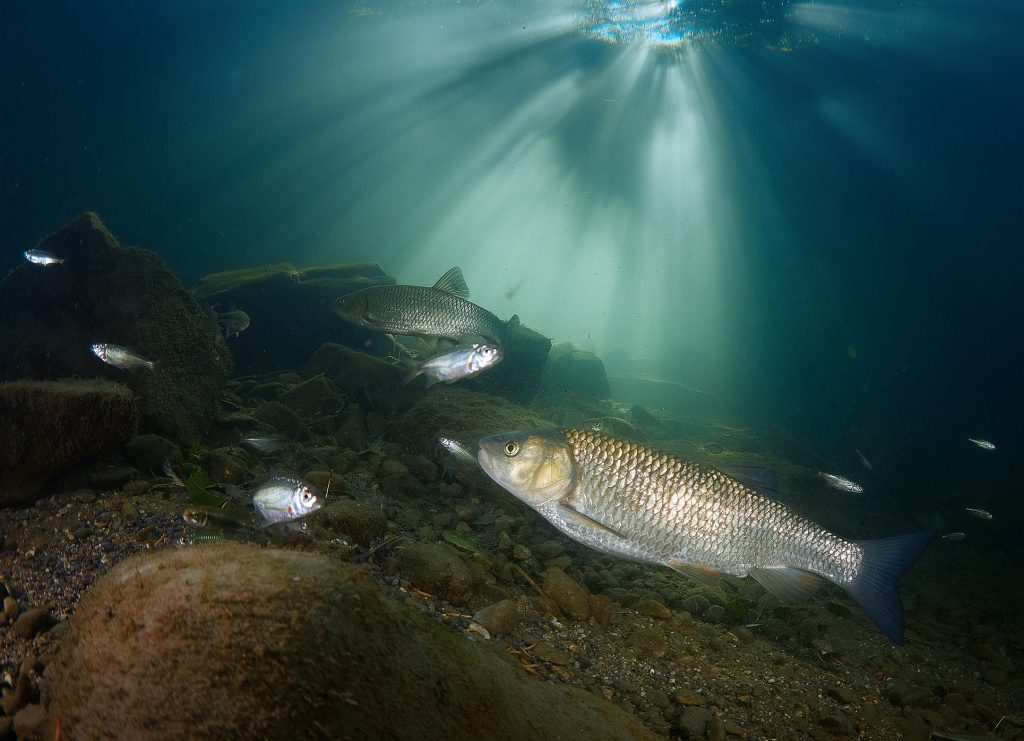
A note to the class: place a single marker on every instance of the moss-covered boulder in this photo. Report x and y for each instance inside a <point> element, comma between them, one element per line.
<point>104,292</point>
<point>49,426</point>
<point>234,641</point>
<point>577,371</point>
<point>290,311</point>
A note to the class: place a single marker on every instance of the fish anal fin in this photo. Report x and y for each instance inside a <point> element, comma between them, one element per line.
<point>707,575</point>
<point>453,282</point>
<point>585,519</point>
<point>787,584</point>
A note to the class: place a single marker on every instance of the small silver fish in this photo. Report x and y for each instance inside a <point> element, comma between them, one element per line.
<point>838,482</point>
<point>120,357</point>
<point>457,449</point>
<point>954,536</point>
<point>983,444</point>
<point>40,257</point>
<point>233,322</point>
<point>981,514</point>
<point>864,460</point>
<point>264,443</point>
<point>462,361</point>
<point>285,499</point>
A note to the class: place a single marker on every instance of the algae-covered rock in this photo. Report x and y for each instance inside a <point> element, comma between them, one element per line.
<point>518,376</point>
<point>313,398</point>
<point>354,371</point>
<point>572,369</point>
<point>108,293</point>
<point>437,569</point>
<point>49,426</point>
<point>234,641</point>
<point>290,311</point>
<point>465,415</point>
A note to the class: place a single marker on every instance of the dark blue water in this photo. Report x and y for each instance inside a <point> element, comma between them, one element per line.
<point>820,222</point>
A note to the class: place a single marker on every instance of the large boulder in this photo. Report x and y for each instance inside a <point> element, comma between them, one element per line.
<point>290,311</point>
<point>578,371</point>
<point>105,292</point>
<point>49,426</point>
<point>234,641</point>
<point>518,376</point>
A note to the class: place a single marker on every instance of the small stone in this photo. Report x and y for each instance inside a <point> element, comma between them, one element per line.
<point>835,723</point>
<point>32,622</point>
<point>500,618</point>
<point>520,552</point>
<point>602,609</point>
<point>844,695</point>
<point>692,722</point>
<point>733,729</point>
<point>649,642</point>
<point>653,608</point>
<point>571,597</point>
<point>111,478</point>
<point>11,608</point>
<point>464,528</point>
<point>30,723</point>
<point>504,541</point>
<point>442,520</point>
<point>714,614</point>
<point>716,644</point>
<point>360,521</point>
<point>19,696</point>
<point>955,700</point>
<point>549,549</point>
<point>504,523</point>
<point>688,697</point>
<point>546,652</point>
<point>995,677</point>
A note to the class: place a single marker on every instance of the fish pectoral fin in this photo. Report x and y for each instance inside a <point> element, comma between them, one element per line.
<point>453,282</point>
<point>787,584</point>
<point>587,520</point>
<point>706,575</point>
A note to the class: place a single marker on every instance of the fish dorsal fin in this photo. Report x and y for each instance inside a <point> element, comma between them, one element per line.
<point>513,323</point>
<point>453,282</point>
<point>706,575</point>
<point>586,520</point>
<point>787,584</point>
<point>762,480</point>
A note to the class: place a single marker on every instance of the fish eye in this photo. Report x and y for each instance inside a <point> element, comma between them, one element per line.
<point>511,448</point>
<point>307,495</point>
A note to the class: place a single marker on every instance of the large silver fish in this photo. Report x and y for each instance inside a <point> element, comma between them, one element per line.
<point>629,500</point>
<point>442,310</point>
<point>286,499</point>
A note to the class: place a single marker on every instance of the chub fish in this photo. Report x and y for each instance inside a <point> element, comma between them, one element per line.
<point>233,322</point>
<point>441,310</point>
<point>462,361</point>
<point>983,444</point>
<point>120,357</point>
<point>630,500</point>
<point>841,483</point>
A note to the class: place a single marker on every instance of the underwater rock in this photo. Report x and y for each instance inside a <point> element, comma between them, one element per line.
<point>500,619</point>
<point>354,371</point>
<point>283,420</point>
<point>49,426</point>
<point>314,398</point>
<point>148,453</point>
<point>437,569</point>
<point>270,643</point>
<point>572,598</point>
<point>105,292</point>
<point>578,371</point>
<point>465,415</point>
<point>360,521</point>
<point>518,376</point>
<point>291,311</point>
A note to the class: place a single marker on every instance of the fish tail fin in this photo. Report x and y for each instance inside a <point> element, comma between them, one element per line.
<point>876,589</point>
<point>411,375</point>
<point>151,364</point>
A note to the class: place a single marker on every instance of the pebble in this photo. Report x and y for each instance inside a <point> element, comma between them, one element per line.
<point>571,597</point>
<point>649,642</point>
<point>845,695</point>
<point>692,722</point>
<point>500,618</point>
<point>688,697</point>
<point>11,609</point>
<point>546,652</point>
<point>653,608</point>
<point>19,696</point>
<point>30,722</point>
<point>504,541</point>
<point>520,552</point>
<point>32,622</point>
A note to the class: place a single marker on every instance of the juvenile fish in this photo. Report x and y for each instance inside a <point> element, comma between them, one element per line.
<point>457,449</point>
<point>954,536</point>
<point>842,484</point>
<point>264,443</point>
<point>630,500</point>
<point>983,444</point>
<point>285,499</point>
<point>212,518</point>
<point>441,310</point>
<point>120,357</point>
<point>864,461</point>
<point>233,322</point>
<point>981,514</point>
<point>41,257</point>
<point>462,361</point>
